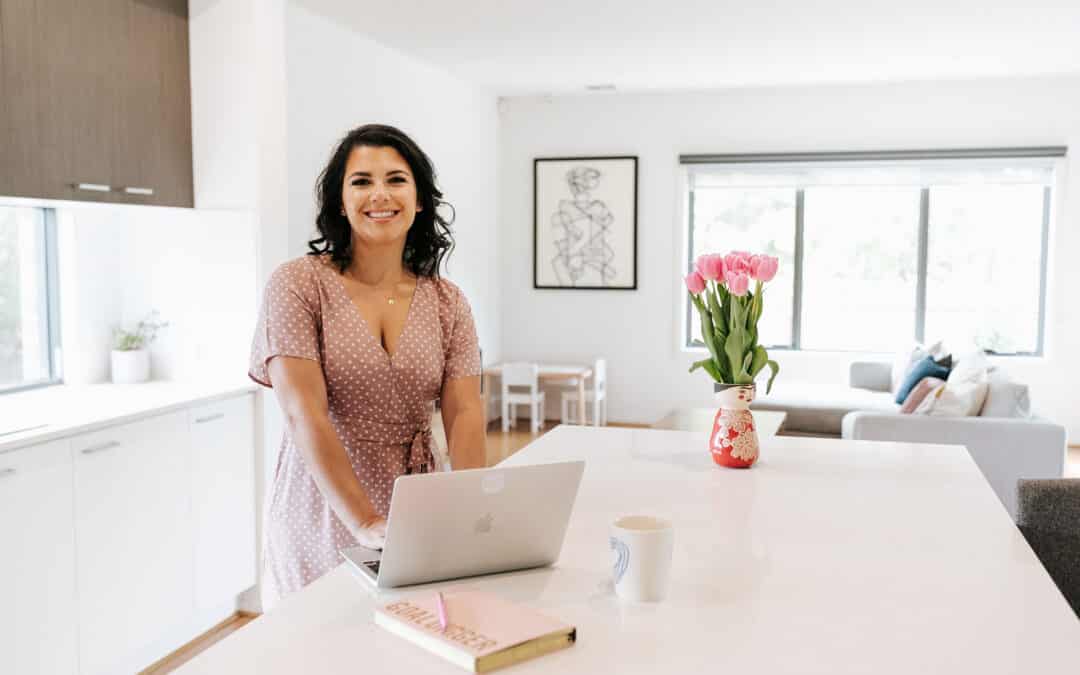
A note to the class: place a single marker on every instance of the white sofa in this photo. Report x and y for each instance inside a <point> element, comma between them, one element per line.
<point>1005,449</point>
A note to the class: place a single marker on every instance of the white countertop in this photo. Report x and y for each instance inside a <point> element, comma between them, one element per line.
<point>65,410</point>
<point>828,556</point>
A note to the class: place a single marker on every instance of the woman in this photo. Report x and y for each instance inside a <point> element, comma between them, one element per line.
<point>357,338</point>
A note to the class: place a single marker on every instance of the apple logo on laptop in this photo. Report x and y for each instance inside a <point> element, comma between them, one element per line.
<point>483,525</point>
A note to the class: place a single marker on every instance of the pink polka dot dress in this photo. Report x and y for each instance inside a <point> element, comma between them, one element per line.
<point>380,406</point>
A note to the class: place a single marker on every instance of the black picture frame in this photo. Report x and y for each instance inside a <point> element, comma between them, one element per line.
<point>614,259</point>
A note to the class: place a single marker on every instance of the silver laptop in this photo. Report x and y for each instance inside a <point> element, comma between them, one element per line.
<point>467,523</point>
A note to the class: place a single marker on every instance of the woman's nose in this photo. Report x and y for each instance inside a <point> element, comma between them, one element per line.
<point>378,193</point>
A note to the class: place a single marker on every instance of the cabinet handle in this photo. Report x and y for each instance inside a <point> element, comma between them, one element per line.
<point>99,448</point>
<point>7,472</point>
<point>139,191</point>
<point>93,187</point>
<point>209,418</point>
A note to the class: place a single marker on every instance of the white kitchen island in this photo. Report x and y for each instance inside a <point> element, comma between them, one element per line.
<point>828,556</point>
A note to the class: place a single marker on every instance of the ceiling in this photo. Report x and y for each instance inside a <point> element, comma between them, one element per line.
<point>561,46</point>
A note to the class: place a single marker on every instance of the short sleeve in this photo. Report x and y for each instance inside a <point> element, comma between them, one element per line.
<point>462,358</point>
<point>289,319</point>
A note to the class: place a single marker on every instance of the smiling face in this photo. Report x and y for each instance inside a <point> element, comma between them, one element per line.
<point>379,196</point>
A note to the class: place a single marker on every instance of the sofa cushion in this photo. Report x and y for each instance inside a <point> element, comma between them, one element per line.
<point>819,408</point>
<point>907,357</point>
<point>926,367</point>
<point>919,393</point>
<point>903,362</point>
<point>959,399</point>
<point>1005,398</point>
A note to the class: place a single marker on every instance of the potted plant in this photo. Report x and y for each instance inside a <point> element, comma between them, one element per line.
<point>719,287</point>
<point>130,356</point>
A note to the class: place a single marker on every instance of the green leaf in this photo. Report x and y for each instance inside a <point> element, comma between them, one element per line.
<point>760,358</point>
<point>758,304</point>
<point>718,318</point>
<point>775,368</point>
<point>706,324</point>
<point>735,350</point>
<point>708,366</point>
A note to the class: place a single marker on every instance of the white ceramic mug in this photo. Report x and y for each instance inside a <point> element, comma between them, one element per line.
<point>642,546</point>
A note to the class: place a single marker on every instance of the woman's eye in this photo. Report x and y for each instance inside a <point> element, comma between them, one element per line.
<point>397,179</point>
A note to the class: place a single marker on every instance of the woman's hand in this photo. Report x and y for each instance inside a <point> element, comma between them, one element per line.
<point>371,533</point>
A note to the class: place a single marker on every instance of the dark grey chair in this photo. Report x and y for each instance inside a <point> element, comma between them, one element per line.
<point>1049,517</point>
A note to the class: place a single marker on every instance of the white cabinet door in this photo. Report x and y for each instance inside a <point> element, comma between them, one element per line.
<point>38,610</point>
<point>133,534</point>
<point>223,499</point>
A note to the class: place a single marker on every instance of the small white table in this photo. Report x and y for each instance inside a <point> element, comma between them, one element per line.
<point>552,373</point>
<point>827,556</point>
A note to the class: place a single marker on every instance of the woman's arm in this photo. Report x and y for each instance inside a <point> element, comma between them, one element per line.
<point>463,418</point>
<point>301,391</point>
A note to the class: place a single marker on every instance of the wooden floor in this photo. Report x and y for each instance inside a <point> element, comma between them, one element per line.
<point>499,446</point>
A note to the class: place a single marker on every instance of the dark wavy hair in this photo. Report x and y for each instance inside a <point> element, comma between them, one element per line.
<point>429,240</point>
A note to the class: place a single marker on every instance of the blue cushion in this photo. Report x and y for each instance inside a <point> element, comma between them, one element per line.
<point>924,368</point>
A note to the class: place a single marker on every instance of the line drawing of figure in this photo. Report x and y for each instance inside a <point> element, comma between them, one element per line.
<point>581,228</point>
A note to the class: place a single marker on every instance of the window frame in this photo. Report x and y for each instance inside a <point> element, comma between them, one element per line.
<point>922,258</point>
<point>50,277</point>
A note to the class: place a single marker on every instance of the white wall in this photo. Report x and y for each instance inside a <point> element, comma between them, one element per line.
<point>339,79</point>
<point>638,330</point>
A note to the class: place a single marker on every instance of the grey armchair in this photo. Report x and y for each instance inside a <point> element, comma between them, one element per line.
<point>1049,518</point>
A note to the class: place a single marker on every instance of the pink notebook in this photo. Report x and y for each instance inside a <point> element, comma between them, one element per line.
<point>484,632</point>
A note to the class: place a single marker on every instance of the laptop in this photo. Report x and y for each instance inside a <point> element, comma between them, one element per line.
<point>467,523</point>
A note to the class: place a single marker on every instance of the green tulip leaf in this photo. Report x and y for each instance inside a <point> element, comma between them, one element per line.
<point>761,357</point>
<point>775,368</point>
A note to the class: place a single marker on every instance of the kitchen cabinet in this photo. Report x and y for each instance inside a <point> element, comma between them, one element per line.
<point>37,561</point>
<point>133,536</point>
<point>96,101</point>
<point>223,499</point>
<point>120,544</point>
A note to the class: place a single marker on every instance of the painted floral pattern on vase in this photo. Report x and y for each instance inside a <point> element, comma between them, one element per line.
<point>734,442</point>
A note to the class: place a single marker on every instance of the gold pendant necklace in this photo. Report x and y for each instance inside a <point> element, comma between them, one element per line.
<point>390,301</point>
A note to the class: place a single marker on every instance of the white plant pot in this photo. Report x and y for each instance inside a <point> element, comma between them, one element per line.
<point>129,367</point>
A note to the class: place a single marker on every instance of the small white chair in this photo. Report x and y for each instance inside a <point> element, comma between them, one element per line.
<point>597,396</point>
<point>522,376</point>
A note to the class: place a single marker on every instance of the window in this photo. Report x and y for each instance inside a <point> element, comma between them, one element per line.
<point>28,307</point>
<point>879,248</point>
<point>753,219</point>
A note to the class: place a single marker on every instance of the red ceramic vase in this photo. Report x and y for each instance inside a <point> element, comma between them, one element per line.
<point>734,441</point>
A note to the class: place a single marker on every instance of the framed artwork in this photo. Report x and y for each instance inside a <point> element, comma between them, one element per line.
<point>585,223</point>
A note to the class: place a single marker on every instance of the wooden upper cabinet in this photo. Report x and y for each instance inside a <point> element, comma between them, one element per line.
<point>96,93</point>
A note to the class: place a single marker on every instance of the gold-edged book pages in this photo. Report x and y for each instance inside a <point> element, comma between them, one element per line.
<point>484,633</point>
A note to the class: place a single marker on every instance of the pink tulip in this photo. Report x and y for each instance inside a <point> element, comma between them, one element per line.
<point>738,283</point>
<point>763,267</point>
<point>737,261</point>
<point>710,266</point>
<point>695,283</point>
